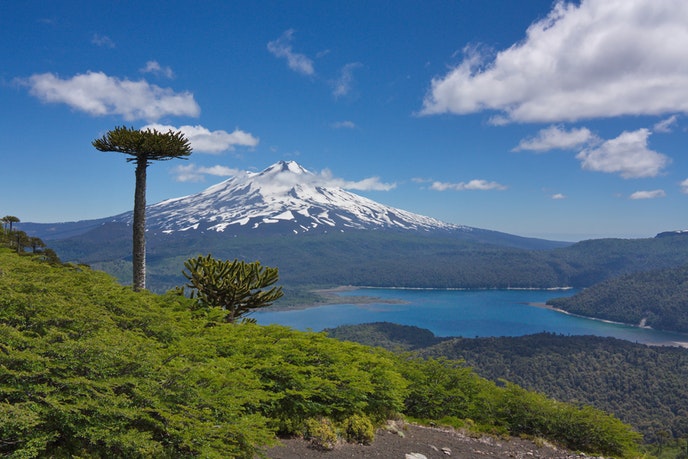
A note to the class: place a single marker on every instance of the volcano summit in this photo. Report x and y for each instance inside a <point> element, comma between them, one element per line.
<point>283,198</point>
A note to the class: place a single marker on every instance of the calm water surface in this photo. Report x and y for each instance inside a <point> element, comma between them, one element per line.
<point>467,313</point>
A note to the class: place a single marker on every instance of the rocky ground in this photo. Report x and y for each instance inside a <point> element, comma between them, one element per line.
<point>418,442</point>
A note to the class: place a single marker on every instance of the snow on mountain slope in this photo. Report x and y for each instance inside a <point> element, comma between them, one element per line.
<point>285,197</point>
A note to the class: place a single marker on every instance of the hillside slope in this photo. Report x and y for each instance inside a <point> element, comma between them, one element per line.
<point>91,368</point>
<point>643,385</point>
<point>657,299</point>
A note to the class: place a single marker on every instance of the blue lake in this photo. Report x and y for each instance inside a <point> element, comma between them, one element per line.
<point>467,313</point>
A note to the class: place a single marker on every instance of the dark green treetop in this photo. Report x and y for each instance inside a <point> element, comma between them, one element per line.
<point>147,145</point>
<point>235,286</point>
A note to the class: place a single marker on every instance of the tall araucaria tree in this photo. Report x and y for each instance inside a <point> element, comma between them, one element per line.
<point>9,220</point>
<point>143,147</point>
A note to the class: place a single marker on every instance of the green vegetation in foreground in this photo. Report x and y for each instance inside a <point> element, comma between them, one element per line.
<point>92,369</point>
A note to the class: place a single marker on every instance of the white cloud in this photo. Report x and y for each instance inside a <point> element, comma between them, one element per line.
<point>102,40</point>
<point>475,184</point>
<point>653,194</point>
<point>155,68</point>
<point>194,173</point>
<point>602,58</point>
<point>558,196</point>
<point>342,85</point>
<point>554,137</point>
<point>343,125</point>
<point>98,94</point>
<point>626,155</point>
<point>204,140</point>
<point>666,125</point>
<point>684,186</point>
<point>325,178</point>
<point>281,47</point>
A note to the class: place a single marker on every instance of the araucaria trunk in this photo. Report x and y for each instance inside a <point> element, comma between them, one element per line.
<point>139,230</point>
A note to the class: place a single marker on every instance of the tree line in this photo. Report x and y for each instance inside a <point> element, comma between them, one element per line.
<point>21,242</point>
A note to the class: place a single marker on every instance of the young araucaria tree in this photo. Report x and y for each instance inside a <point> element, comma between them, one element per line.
<point>236,287</point>
<point>143,147</point>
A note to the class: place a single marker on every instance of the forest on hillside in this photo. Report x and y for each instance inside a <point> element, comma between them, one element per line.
<point>646,386</point>
<point>381,259</point>
<point>657,299</point>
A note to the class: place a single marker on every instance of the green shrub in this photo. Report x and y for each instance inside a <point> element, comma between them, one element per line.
<point>359,429</point>
<point>321,433</point>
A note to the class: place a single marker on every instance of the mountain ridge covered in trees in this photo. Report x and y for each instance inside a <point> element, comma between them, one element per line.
<point>384,259</point>
<point>645,386</point>
<point>657,299</point>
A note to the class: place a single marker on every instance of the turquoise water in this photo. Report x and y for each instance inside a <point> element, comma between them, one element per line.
<point>467,313</point>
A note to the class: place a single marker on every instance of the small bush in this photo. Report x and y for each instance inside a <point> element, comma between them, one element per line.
<point>321,433</point>
<point>359,429</point>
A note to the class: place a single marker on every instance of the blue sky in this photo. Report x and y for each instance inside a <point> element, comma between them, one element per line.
<point>561,120</point>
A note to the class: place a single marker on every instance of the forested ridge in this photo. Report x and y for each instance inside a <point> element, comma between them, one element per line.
<point>381,258</point>
<point>657,299</point>
<point>646,386</point>
<point>93,369</point>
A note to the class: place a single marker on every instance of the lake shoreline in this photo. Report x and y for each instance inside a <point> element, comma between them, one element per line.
<point>333,297</point>
<point>683,344</point>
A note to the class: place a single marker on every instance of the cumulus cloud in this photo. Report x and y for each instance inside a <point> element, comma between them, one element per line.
<point>666,125</point>
<point>627,155</point>
<point>194,173</point>
<point>555,137</point>
<point>653,194</point>
<point>204,140</point>
<point>476,184</point>
<point>99,94</point>
<point>342,85</point>
<point>602,58</point>
<point>684,186</point>
<point>102,40</point>
<point>558,196</point>
<point>281,48</point>
<point>325,178</point>
<point>155,68</point>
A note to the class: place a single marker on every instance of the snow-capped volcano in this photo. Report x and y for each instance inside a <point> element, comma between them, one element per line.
<point>285,197</point>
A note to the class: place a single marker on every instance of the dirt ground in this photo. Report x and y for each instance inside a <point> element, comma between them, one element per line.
<point>432,443</point>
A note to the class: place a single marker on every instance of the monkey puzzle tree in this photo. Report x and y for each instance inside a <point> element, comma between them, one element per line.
<point>9,220</point>
<point>234,286</point>
<point>143,147</point>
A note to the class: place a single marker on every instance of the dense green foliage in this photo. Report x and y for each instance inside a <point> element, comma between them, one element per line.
<point>236,287</point>
<point>388,335</point>
<point>657,299</point>
<point>646,386</point>
<point>90,368</point>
